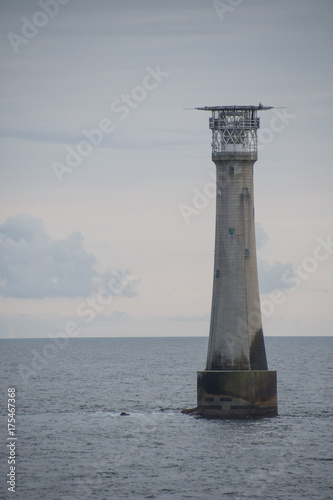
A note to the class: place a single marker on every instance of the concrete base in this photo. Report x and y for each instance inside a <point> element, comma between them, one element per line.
<point>237,394</point>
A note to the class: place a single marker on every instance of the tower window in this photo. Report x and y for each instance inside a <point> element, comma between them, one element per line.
<point>245,192</point>
<point>247,252</point>
<point>231,170</point>
<point>217,274</point>
<point>232,231</point>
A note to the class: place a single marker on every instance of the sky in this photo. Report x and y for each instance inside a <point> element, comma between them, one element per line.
<point>107,186</point>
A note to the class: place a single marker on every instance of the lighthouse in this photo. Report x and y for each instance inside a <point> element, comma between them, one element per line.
<point>236,382</point>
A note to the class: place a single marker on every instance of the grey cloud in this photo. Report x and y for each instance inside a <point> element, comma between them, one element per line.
<point>261,235</point>
<point>34,266</point>
<point>23,227</point>
<point>117,283</point>
<point>270,275</point>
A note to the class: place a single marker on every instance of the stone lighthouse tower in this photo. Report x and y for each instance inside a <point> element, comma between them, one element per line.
<point>236,382</point>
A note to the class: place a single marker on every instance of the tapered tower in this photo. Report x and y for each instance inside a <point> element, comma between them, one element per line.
<point>236,382</point>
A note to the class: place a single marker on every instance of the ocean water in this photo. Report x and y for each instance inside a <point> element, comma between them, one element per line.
<point>72,442</point>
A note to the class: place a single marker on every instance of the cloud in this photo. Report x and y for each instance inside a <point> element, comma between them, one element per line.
<point>34,266</point>
<point>270,275</point>
<point>261,236</point>
<point>117,282</point>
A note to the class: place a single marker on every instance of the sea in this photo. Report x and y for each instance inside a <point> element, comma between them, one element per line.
<point>70,440</point>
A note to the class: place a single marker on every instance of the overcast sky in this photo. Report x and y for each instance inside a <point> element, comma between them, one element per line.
<point>107,204</point>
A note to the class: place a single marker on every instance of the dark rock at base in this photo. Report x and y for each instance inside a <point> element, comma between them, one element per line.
<point>190,411</point>
<point>124,414</point>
